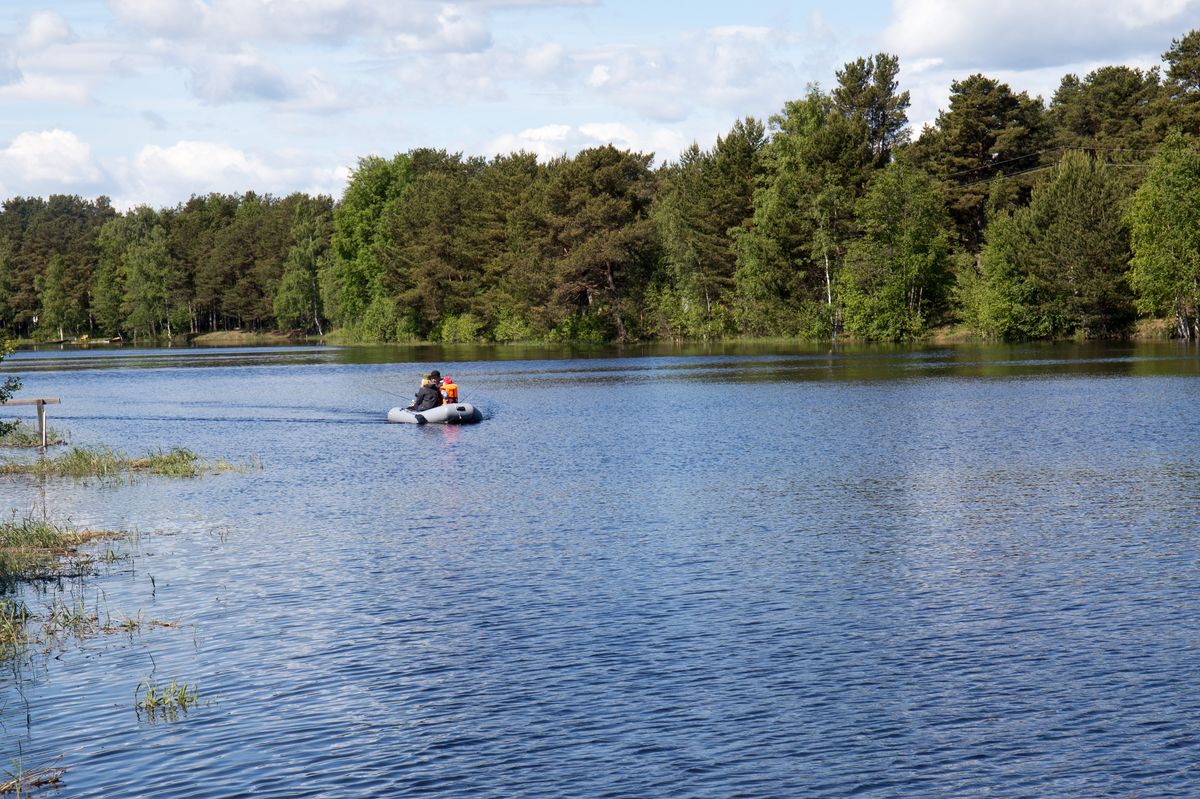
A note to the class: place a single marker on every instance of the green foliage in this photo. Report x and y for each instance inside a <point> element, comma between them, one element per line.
<point>9,386</point>
<point>58,309</point>
<point>509,328</point>
<point>381,322</point>
<point>582,328</point>
<point>770,232</point>
<point>164,702</point>
<point>789,258</point>
<point>460,329</point>
<point>897,273</point>
<point>703,199</point>
<point>297,302</point>
<point>146,271</point>
<point>989,132</point>
<point>352,280</point>
<point>1164,219</point>
<point>23,435</point>
<point>1057,267</point>
<point>105,462</point>
<point>866,92</point>
<point>1183,84</point>
<point>597,211</point>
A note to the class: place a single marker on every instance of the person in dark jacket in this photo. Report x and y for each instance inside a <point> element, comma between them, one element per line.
<point>428,396</point>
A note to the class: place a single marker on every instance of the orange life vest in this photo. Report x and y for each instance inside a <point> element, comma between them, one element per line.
<point>450,391</point>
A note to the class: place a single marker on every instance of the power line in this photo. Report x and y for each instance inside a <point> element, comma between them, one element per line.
<point>995,164</point>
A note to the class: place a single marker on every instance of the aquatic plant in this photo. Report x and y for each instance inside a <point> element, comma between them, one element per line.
<point>32,548</point>
<point>20,781</point>
<point>177,462</point>
<point>14,618</point>
<point>133,624</point>
<point>25,435</point>
<point>72,619</point>
<point>105,462</point>
<point>154,701</point>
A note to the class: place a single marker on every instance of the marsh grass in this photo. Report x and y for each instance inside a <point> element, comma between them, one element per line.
<point>25,436</point>
<point>166,702</point>
<point>105,462</point>
<point>63,619</point>
<point>14,625</point>
<point>133,624</point>
<point>33,549</point>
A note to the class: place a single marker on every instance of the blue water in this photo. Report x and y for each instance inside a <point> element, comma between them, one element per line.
<point>726,573</point>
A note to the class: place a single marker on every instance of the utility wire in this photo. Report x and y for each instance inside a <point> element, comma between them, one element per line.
<point>995,164</point>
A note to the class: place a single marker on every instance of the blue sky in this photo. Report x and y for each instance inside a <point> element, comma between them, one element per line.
<point>150,101</point>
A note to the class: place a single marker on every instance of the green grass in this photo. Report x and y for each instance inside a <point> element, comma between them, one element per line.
<point>105,462</point>
<point>14,625</point>
<point>33,549</point>
<point>25,436</point>
<point>153,701</point>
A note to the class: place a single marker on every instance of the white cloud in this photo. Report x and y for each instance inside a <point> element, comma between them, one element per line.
<point>547,60</point>
<point>551,141</point>
<point>600,76</point>
<point>44,28</point>
<point>45,88</point>
<point>225,78</point>
<point>1020,34</point>
<point>165,176</point>
<point>450,31</point>
<point>43,162</point>
<point>201,164</point>
<point>169,18</point>
<point>406,25</point>
<point>732,69</point>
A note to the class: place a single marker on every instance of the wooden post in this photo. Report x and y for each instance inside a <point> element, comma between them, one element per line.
<point>41,408</point>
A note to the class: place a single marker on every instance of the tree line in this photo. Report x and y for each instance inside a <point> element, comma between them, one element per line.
<point>1007,216</point>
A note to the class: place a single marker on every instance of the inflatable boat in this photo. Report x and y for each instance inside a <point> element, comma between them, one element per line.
<point>450,413</point>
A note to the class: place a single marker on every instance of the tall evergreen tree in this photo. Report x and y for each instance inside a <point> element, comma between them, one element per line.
<point>297,301</point>
<point>1183,83</point>
<point>598,207</point>
<point>866,90</point>
<point>703,200</point>
<point>988,133</point>
<point>147,274</point>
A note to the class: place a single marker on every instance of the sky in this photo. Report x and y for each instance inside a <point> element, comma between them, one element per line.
<point>152,101</point>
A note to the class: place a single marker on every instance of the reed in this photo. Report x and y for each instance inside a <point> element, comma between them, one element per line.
<point>14,621</point>
<point>32,549</point>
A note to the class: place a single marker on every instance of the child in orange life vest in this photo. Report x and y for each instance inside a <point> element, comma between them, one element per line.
<point>449,390</point>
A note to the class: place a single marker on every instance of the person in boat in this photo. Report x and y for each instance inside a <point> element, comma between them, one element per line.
<point>428,396</point>
<point>449,390</point>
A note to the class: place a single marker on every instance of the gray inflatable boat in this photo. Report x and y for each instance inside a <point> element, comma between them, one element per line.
<point>449,413</point>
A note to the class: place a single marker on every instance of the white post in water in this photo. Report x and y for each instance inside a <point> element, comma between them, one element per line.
<point>41,403</point>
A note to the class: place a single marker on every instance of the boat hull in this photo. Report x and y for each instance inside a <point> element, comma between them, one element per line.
<point>450,413</point>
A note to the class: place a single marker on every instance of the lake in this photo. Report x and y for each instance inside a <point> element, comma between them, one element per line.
<point>711,572</point>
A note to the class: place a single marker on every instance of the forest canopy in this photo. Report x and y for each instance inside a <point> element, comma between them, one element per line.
<point>1009,217</point>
